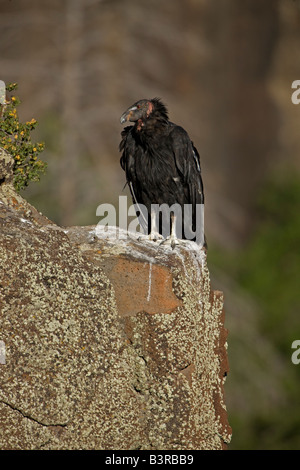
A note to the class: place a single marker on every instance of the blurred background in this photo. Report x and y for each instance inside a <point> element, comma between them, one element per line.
<point>225,69</point>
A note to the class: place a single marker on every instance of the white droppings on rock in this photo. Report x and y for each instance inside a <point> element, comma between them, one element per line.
<point>150,276</point>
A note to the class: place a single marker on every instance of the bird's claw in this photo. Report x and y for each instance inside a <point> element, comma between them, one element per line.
<point>153,236</point>
<point>172,241</point>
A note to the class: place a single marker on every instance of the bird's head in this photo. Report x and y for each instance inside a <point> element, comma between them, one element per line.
<point>144,110</point>
<point>139,110</point>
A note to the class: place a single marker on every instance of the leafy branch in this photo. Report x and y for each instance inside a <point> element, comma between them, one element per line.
<point>15,137</point>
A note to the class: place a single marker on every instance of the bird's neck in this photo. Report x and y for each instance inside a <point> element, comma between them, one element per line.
<point>151,127</point>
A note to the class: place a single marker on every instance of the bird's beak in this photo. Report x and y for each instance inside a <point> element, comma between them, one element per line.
<point>124,117</point>
<point>127,115</point>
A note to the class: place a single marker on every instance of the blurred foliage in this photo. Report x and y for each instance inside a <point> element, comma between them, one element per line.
<point>15,137</point>
<point>268,269</point>
<point>270,266</point>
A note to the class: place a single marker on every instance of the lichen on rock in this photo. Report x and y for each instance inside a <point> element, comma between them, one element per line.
<point>110,344</point>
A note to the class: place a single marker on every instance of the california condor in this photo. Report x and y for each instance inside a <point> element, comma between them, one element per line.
<point>162,168</point>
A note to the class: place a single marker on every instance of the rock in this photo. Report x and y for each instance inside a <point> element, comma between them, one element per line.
<point>6,167</point>
<point>109,343</point>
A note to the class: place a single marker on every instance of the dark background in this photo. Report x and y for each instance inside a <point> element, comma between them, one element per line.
<point>225,69</point>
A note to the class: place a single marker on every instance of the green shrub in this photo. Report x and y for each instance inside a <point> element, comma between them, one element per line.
<point>15,138</point>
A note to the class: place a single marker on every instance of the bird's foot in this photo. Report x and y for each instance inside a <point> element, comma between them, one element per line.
<point>172,241</point>
<point>153,236</point>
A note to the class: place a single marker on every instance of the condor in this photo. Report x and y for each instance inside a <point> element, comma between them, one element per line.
<point>162,168</point>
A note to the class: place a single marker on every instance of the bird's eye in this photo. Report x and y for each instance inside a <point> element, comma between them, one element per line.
<point>138,106</point>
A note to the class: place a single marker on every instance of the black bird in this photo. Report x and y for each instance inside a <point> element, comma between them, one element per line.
<point>162,167</point>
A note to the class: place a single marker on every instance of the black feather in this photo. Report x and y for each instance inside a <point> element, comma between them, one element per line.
<point>161,164</point>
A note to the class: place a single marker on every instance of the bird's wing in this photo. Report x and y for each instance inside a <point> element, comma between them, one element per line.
<point>127,164</point>
<point>187,161</point>
<point>122,146</point>
<point>200,197</point>
<point>142,216</point>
